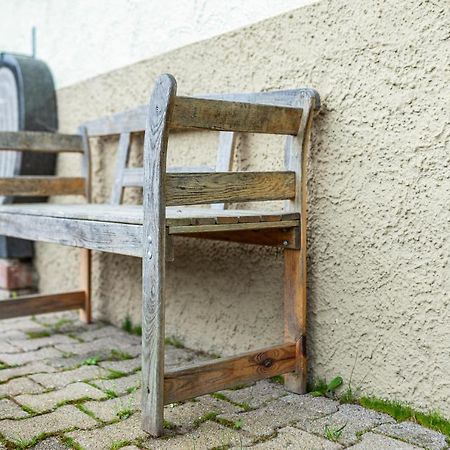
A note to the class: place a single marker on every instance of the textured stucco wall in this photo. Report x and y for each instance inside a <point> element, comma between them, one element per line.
<point>379,248</point>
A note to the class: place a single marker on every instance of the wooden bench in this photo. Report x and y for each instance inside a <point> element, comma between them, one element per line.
<point>167,210</point>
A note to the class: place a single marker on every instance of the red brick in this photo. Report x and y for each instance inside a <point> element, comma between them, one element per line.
<point>15,274</point>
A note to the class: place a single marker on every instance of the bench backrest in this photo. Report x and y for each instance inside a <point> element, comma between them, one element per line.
<point>133,122</point>
<point>285,112</point>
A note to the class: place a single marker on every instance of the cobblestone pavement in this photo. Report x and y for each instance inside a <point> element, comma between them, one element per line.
<point>67,385</point>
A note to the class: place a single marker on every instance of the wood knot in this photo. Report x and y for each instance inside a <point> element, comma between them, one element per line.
<point>267,362</point>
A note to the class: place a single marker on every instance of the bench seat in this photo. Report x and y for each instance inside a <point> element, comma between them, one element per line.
<point>118,228</point>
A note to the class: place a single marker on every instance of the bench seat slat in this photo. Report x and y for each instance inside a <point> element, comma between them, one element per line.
<point>133,214</point>
<point>118,229</point>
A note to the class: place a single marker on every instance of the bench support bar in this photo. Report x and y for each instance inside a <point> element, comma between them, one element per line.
<point>41,304</point>
<point>224,373</point>
<point>273,237</point>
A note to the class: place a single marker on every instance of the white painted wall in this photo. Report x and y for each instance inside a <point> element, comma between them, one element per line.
<point>83,38</point>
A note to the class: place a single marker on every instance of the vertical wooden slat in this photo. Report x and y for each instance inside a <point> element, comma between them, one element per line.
<point>295,263</point>
<point>121,164</point>
<point>85,254</point>
<point>154,236</point>
<point>225,154</point>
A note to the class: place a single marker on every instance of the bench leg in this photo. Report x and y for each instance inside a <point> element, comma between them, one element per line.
<point>85,275</point>
<point>153,343</point>
<point>295,316</point>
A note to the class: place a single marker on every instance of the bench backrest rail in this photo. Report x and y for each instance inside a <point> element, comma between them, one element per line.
<point>44,142</point>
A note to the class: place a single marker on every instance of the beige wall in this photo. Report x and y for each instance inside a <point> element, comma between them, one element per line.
<point>379,277</point>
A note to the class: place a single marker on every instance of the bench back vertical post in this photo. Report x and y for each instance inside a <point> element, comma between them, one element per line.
<point>154,256</point>
<point>295,261</point>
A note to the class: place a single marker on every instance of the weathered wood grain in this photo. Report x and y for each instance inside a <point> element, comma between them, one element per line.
<point>121,164</point>
<point>121,238</point>
<point>41,304</point>
<point>224,373</point>
<point>133,214</point>
<point>86,163</point>
<point>133,120</point>
<point>134,176</point>
<point>225,155</point>
<point>272,237</point>
<point>180,229</point>
<point>190,112</point>
<point>86,284</point>
<point>129,121</point>
<point>30,186</point>
<point>203,188</point>
<point>154,257</point>
<point>37,141</point>
<point>295,261</point>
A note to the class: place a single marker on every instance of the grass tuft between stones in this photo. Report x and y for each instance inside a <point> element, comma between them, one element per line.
<point>119,444</point>
<point>37,334</point>
<point>127,325</point>
<point>402,412</point>
<point>71,443</point>
<point>220,396</point>
<point>174,342</point>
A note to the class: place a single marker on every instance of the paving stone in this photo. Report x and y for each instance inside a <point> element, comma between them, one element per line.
<point>185,415</point>
<point>13,359</point>
<point>71,362</point>
<point>207,436</point>
<point>49,400</point>
<point>62,419</point>
<point>18,386</point>
<point>106,331</point>
<point>21,323</point>
<point>414,434</point>
<point>100,345</point>
<point>55,319</point>
<point>108,410</point>
<point>372,441</point>
<point>290,438</point>
<point>11,334</point>
<point>52,443</point>
<point>257,395</point>
<point>6,347</point>
<point>103,438</point>
<point>120,385</point>
<point>47,341</point>
<point>9,410</point>
<point>283,412</point>
<point>61,379</point>
<point>34,367</point>
<point>354,418</point>
<point>126,366</point>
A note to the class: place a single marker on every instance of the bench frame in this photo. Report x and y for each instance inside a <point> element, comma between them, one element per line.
<point>287,112</point>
